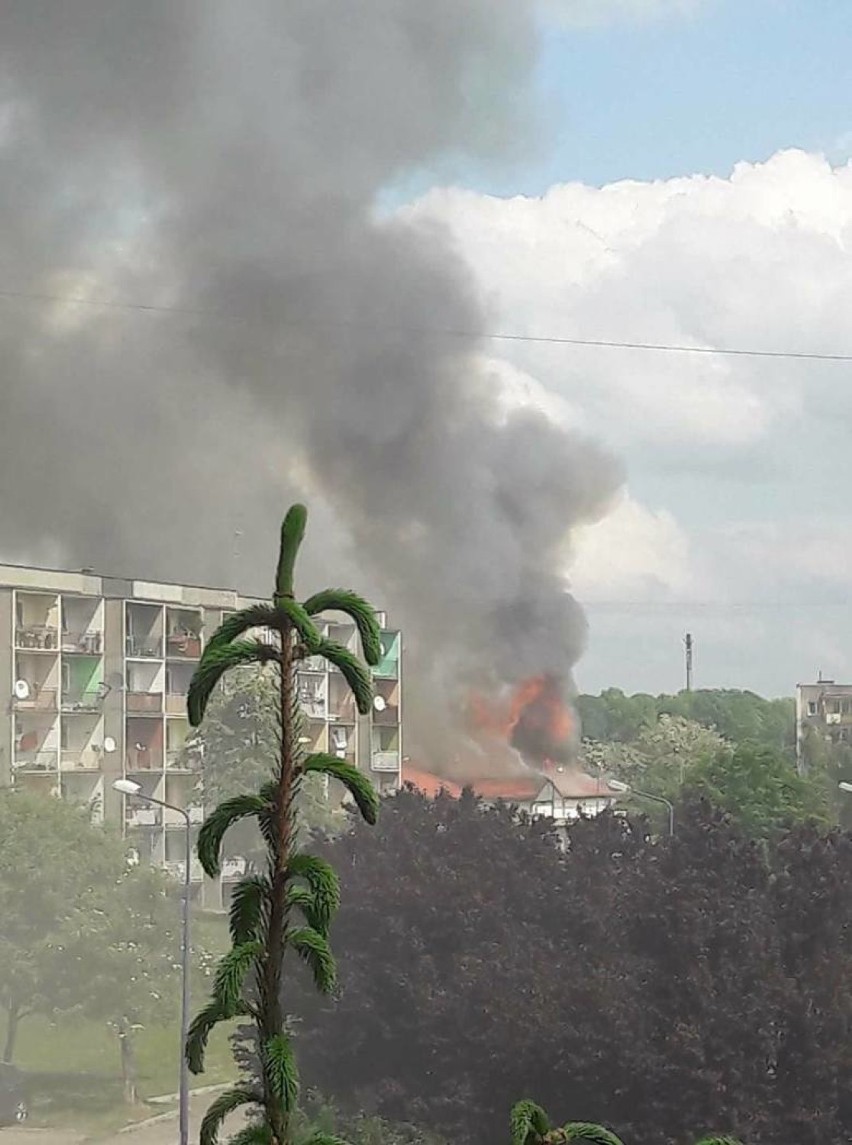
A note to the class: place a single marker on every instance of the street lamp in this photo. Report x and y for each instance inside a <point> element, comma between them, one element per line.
<point>626,789</point>
<point>128,787</point>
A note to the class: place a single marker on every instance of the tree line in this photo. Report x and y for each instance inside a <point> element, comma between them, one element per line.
<point>661,988</point>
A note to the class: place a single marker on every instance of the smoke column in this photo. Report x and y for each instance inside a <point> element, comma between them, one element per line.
<point>223,160</point>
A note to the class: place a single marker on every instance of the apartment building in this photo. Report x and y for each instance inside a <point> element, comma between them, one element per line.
<point>823,711</point>
<point>96,670</point>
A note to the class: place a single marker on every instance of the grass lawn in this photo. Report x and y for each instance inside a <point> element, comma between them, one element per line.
<point>74,1069</point>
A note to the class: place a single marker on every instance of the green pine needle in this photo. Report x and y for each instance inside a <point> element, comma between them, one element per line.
<point>216,660</point>
<point>594,1134</point>
<point>527,1119</point>
<point>247,902</point>
<point>303,624</point>
<point>259,1134</point>
<point>200,1030</point>
<point>354,673</point>
<point>324,886</point>
<point>359,787</point>
<point>292,535</point>
<point>279,1068</point>
<point>218,822</point>
<point>224,1104</point>
<point>255,616</point>
<point>354,606</point>
<point>232,971</point>
<point>320,1138</point>
<point>313,947</point>
<point>719,1141</point>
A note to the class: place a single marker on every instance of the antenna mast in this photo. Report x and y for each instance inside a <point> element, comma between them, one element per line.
<point>688,644</point>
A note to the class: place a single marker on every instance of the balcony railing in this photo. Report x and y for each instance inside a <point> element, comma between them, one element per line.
<point>40,699</point>
<point>144,647</point>
<point>313,709</point>
<point>313,664</point>
<point>176,703</point>
<point>177,869</point>
<point>175,819</point>
<point>35,761</point>
<point>144,817</point>
<point>37,637</point>
<point>387,669</point>
<point>85,701</point>
<point>183,646</point>
<point>234,868</point>
<point>82,643</point>
<point>144,702</point>
<point>180,759</point>
<point>144,761</point>
<point>83,760</point>
<point>385,761</point>
<point>386,718</point>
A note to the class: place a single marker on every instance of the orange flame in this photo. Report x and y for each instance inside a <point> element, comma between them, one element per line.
<point>535,706</point>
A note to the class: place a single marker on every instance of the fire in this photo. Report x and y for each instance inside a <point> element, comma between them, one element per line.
<point>534,718</point>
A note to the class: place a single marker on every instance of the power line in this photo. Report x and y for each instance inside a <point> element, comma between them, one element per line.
<point>485,335</point>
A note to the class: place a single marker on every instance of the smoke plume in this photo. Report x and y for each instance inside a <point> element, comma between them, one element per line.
<point>205,175</point>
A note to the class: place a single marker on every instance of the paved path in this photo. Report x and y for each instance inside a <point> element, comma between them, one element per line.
<point>161,1130</point>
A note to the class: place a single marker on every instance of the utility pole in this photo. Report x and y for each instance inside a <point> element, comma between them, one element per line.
<point>688,643</point>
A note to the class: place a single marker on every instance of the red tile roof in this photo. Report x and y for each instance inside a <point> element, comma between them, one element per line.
<point>570,783</point>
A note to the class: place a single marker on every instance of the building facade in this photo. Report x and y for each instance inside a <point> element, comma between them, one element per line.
<point>95,671</point>
<point>823,711</point>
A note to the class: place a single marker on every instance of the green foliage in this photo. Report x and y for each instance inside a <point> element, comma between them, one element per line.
<point>528,1120</point>
<point>249,976</point>
<point>83,930</point>
<point>530,1126</point>
<point>341,600</point>
<point>760,789</point>
<point>247,904</point>
<point>225,1103</point>
<point>355,782</point>
<point>280,1072</point>
<point>738,717</point>
<point>314,949</point>
<point>292,534</point>
<point>217,659</point>
<point>354,672</point>
<point>218,822</point>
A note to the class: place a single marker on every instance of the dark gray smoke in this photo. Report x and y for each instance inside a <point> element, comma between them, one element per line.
<point>223,160</point>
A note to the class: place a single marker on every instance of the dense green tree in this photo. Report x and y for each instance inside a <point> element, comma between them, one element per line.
<point>238,746</point>
<point>760,789</point>
<point>285,911</point>
<point>665,989</point>
<point>84,931</point>
<point>738,717</point>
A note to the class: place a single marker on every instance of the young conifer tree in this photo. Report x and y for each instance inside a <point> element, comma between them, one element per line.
<point>287,910</point>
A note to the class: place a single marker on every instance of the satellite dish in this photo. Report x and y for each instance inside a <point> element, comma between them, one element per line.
<point>22,690</point>
<point>379,703</point>
<point>109,745</point>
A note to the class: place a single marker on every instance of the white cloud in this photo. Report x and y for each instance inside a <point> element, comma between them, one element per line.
<point>635,553</point>
<point>743,459</point>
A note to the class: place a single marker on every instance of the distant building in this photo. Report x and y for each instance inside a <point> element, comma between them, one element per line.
<point>823,710</point>
<point>94,674</point>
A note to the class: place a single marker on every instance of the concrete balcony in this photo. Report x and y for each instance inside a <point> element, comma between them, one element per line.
<point>144,647</point>
<point>385,761</point>
<point>144,817</point>
<point>388,717</point>
<point>83,760</point>
<point>177,869</point>
<point>143,703</point>
<point>74,701</point>
<point>40,699</point>
<point>36,761</point>
<point>182,646</point>
<point>82,643</point>
<point>37,638</point>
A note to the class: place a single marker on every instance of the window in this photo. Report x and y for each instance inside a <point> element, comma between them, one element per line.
<point>812,707</point>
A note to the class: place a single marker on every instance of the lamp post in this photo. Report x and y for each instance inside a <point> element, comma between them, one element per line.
<point>626,789</point>
<point>128,787</point>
